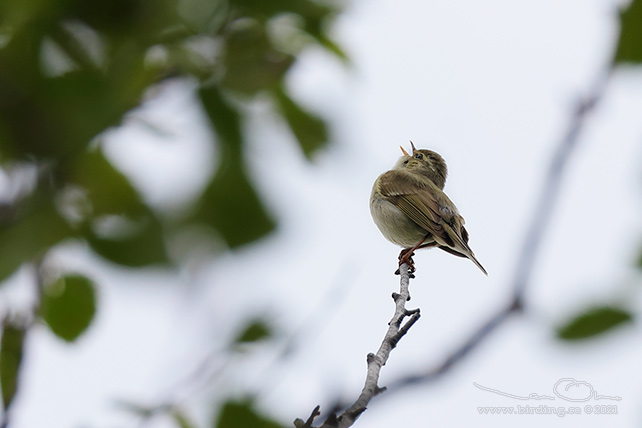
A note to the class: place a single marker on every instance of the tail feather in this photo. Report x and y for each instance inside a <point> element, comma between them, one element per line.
<point>472,257</point>
<point>467,253</point>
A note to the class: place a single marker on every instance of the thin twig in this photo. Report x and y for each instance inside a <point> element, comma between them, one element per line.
<point>396,330</point>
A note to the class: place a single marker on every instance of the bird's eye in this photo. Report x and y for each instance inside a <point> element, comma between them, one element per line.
<point>419,156</point>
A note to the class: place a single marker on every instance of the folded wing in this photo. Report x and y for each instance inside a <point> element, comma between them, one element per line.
<point>429,207</point>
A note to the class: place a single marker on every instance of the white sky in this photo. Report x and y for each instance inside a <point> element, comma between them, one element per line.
<point>490,86</point>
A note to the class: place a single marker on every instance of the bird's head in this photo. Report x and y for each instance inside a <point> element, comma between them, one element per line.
<point>425,162</point>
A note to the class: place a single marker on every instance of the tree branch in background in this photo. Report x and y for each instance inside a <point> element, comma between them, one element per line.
<point>396,330</point>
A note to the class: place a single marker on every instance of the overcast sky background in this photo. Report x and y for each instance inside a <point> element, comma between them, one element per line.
<point>490,86</point>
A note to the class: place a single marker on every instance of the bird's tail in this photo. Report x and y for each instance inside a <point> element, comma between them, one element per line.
<point>464,252</point>
<point>472,257</point>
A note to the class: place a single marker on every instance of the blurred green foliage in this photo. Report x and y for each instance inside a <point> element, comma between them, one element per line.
<point>230,204</point>
<point>629,49</point>
<point>311,131</point>
<point>39,228</point>
<point>68,306</point>
<point>593,322</point>
<point>11,346</point>
<point>254,331</point>
<point>70,70</point>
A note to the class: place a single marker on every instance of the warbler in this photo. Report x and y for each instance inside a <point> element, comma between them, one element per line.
<point>410,209</point>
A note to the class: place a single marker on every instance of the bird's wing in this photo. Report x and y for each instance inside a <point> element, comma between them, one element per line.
<point>418,200</point>
<point>429,207</point>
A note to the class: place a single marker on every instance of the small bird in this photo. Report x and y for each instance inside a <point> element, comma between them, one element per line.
<point>410,209</point>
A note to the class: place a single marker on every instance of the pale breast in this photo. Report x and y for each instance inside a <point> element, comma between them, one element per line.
<point>394,225</point>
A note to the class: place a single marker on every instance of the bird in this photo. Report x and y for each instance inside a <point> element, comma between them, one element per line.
<point>411,210</point>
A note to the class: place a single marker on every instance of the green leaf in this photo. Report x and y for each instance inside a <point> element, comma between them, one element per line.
<point>140,244</point>
<point>629,48</point>
<point>252,63</point>
<point>109,191</point>
<point>68,306</point>
<point>25,125</point>
<point>25,239</point>
<point>226,121</point>
<point>230,204</point>
<point>54,117</point>
<point>254,331</point>
<point>313,14</point>
<point>309,129</point>
<point>121,18</point>
<point>331,46</point>
<point>594,322</point>
<point>83,94</point>
<point>236,414</point>
<point>232,207</point>
<point>10,360</point>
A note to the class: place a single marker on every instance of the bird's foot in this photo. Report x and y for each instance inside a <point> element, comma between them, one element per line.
<point>405,256</point>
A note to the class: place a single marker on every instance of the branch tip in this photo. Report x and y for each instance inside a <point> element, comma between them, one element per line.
<point>370,358</point>
<point>298,423</point>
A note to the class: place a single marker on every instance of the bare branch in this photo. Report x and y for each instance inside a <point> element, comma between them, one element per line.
<point>298,423</point>
<point>396,330</point>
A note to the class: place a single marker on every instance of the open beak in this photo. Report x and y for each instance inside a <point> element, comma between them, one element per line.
<point>414,149</point>
<point>404,151</point>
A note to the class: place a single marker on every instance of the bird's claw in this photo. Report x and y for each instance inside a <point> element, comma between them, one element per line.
<point>405,256</point>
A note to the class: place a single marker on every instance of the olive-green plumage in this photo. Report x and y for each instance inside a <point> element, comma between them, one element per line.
<point>410,209</point>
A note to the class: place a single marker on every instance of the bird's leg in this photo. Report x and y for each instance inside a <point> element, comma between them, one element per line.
<point>405,256</point>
